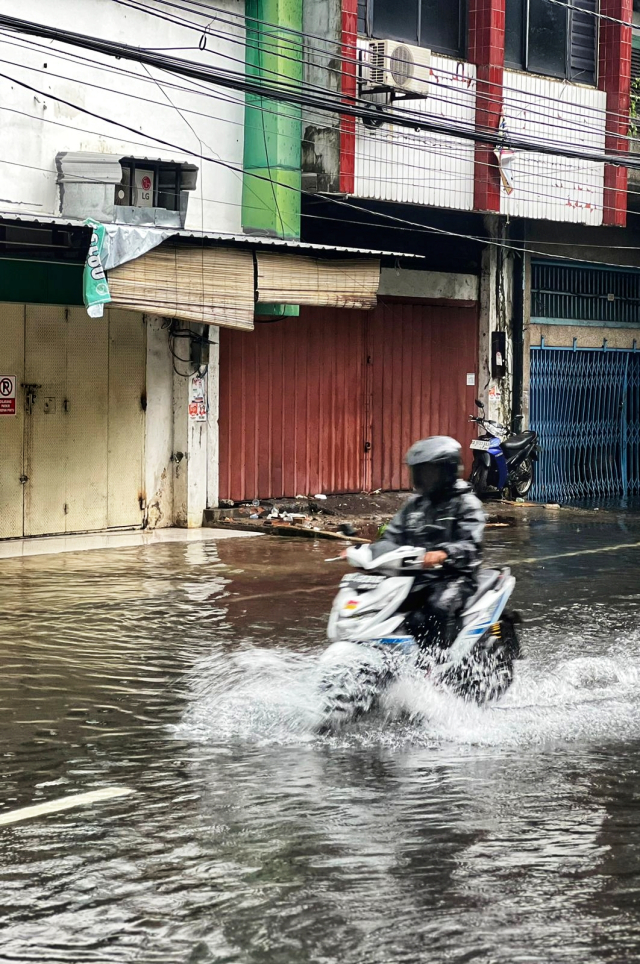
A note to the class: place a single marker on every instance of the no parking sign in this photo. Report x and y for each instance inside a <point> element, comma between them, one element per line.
<point>7,394</point>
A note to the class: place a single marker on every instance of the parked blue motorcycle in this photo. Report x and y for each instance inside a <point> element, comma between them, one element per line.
<point>502,463</point>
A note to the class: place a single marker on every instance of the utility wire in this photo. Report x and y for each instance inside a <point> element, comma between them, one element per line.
<point>381,214</point>
<point>498,99</point>
<point>239,82</point>
<point>305,36</point>
<point>448,100</point>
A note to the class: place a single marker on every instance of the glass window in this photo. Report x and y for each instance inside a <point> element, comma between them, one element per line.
<point>437,24</point>
<point>514,33</point>
<point>547,42</point>
<point>556,39</point>
<point>169,188</point>
<point>441,26</point>
<point>583,40</point>
<point>393,20</point>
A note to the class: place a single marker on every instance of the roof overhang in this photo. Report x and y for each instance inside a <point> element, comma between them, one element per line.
<point>240,240</point>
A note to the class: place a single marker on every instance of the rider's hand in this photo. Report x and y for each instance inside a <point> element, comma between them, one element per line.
<point>343,554</point>
<point>433,559</point>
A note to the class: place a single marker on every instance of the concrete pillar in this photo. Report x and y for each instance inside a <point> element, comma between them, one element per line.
<point>496,313</point>
<point>615,79</point>
<point>486,50</point>
<point>181,452</point>
<point>158,426</point>
<point>194,441</point>
<point>213,413</point>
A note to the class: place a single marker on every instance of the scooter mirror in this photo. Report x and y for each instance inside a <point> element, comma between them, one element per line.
<point>479,403</point>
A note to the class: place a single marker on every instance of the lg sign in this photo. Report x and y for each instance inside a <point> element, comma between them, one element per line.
<point>144,188</point>
<point>7,394</point>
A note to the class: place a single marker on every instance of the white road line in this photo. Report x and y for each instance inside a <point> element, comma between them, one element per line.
<point>64,803</point>
<point>569,555</point>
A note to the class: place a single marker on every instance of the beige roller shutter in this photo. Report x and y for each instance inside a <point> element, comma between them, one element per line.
<point>45,437</point>
<point>212,286</point>
<point>291,279</point>
<point>85,418</point>
<point>127,386</point>
<point>12,426</point>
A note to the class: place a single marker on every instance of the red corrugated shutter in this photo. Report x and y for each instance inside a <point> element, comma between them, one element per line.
<point>300,398</point>
<point>292,406</point>
<point>420,359</point>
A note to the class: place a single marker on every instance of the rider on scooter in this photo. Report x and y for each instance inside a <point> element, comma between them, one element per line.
<point>445,518</point>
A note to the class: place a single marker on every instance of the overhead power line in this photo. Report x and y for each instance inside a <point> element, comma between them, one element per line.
<point>508,99</point>
<point>498,95</point>
<point>293,94</point>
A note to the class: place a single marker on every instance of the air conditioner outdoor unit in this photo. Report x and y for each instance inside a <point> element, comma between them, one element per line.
<point>399,66</point>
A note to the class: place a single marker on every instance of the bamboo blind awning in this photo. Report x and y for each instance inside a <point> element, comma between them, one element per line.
<point>212,286</point>
<point>291,279</point>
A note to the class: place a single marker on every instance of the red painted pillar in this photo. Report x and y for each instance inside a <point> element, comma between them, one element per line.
<point>349,90</point>
<point>486,50</point>
<point>615,78</point>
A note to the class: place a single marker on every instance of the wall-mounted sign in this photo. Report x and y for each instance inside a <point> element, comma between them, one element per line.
<point>197,400</point>
<point>7,394</point>
<point>144,181</point>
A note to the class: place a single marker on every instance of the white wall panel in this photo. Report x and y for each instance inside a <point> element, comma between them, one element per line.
<point>397,164</point>
<point>546,186</point>
<point>36,126</point>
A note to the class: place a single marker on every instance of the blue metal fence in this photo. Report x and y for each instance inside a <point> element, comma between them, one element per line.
<point>585,407</point>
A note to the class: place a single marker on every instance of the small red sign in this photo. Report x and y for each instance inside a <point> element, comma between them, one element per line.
<point>146,183</point>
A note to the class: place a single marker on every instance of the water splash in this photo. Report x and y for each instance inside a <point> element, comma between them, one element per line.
<point>273,696</point>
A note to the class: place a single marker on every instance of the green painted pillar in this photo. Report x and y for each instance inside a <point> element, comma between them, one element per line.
<point>273,130</point>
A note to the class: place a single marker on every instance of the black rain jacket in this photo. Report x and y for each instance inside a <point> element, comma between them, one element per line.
<point>455,525</point>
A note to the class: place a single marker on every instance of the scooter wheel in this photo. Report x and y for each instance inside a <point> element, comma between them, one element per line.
<point>479,479</point>
<point>484,676</point>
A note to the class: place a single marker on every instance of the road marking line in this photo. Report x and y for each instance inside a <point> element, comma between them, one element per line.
<point>568,555</point>
<point>64,803</point>
<point>283,592</point>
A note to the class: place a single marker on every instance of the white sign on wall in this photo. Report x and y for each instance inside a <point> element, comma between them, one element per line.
<point>145,184</point>
<point>7,394</point>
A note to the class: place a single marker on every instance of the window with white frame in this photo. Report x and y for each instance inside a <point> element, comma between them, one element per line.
<point>554,39</point>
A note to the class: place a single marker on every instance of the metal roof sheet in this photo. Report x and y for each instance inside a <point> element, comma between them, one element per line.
<point>248,239</point>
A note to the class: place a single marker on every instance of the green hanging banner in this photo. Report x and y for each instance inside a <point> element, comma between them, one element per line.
<point>96,287</point>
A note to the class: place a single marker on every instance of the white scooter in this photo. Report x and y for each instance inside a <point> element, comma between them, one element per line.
<point>372,642</point>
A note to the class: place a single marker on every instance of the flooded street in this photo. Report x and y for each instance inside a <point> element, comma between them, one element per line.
<point>186,673</point>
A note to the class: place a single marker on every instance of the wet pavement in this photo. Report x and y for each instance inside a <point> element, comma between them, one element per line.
<point>186,674</point>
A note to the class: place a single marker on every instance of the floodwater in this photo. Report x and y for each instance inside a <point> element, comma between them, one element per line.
<point>186,674</point>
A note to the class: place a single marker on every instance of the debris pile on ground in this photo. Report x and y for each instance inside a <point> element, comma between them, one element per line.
<point>357,516</point>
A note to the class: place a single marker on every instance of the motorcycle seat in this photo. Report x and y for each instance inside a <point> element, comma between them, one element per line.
<point>516,442</point>
<point>487,579</point>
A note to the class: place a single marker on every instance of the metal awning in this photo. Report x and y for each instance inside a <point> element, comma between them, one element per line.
<point>244,240</point>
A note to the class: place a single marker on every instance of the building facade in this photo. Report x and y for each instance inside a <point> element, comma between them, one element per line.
<point>327,227</point>
<point>539,212</point>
